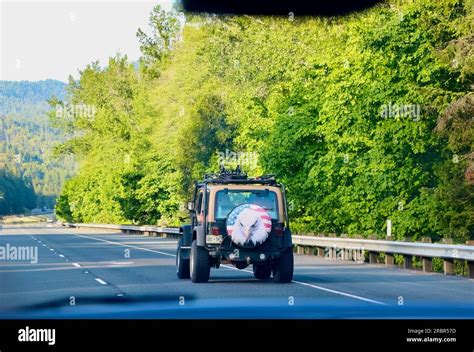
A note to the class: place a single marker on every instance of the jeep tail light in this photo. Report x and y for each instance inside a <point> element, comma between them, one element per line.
<point>215,231</point>
<point>279,230</point>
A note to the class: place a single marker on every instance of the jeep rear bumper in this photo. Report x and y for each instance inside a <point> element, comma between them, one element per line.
<point>241,255</point>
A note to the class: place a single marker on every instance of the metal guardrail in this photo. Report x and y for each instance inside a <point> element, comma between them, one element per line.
<point>345,248</point>
<point>354,249</point>
<point>148,230</point>
<point>429,250</point>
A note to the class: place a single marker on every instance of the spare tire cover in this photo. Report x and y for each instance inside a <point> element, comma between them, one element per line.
<point>248,225</point>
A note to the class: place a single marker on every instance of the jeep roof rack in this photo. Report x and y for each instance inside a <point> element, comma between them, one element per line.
<point>237,176</point>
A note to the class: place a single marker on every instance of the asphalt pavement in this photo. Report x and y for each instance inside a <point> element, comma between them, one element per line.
<point>78,265</point>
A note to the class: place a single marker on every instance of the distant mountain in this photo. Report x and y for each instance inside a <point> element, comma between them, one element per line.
<point>26,142</point>
<point>27,98</point>
<point>32,91</point>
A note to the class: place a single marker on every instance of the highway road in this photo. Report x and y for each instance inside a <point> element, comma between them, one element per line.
<point>78,266</point>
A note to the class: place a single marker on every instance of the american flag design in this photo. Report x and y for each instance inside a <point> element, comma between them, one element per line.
<point>265,220</point>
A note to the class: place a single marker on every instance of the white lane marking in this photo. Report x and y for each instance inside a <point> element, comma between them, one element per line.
<point>248,271</point>
<point>62,256</point>
<point>319,288</point>
<point>100,281</point>
<point>124,245</point>
<point>52,250</point>
<point>77,265</point>
<point>339,293</point>
<point>121,263</point>
<point>153,243</point>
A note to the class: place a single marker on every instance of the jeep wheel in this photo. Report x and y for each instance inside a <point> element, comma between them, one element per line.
<point>182,265</point>
<point>283,267</point>
<point>262,271</point>
<point>199,263</point>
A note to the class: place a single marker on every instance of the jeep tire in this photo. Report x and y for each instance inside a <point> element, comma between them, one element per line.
<point>283,267</point>
<point>199,263</point>
<point>182,265</point>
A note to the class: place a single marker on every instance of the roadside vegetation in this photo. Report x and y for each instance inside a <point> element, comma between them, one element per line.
<point>365,118</point>
<point>17,219</point>
<point>29,176</point>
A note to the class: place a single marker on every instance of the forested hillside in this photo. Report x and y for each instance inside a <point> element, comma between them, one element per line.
<point>365,118</point>
<point>30,175</point>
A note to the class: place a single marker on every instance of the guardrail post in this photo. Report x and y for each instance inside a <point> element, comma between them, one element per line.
<point>332,253</point>
<point>470,264</point>
<point>300,250</point>
<point>389,259</point>
<point>373,257</point>
<point>470,270</point>
<point>339,253</point>
<point>348,254</point>
<point>329,253</point>
<point>320,251</point>
<point>407,262</point>
<point>427,264</point>
<point>448,265</point>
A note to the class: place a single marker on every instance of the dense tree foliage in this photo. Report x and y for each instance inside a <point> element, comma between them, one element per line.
<point>16,194</point>
<point>366,117</point>
<point>26,142</point>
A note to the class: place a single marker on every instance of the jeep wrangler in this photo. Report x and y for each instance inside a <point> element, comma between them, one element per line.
<point>240,221</point>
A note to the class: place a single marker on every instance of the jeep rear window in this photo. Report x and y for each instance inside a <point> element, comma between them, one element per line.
<point>226,200</point>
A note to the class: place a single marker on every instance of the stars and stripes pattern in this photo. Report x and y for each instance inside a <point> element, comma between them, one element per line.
<point>264,216</point>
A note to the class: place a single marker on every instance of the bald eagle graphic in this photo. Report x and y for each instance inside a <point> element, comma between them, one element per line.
<point>249,223</point>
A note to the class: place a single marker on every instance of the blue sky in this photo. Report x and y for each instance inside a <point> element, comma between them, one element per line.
<point>40,40</point>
